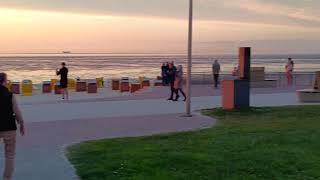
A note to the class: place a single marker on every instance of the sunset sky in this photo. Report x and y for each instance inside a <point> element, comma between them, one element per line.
<point>159,26</point>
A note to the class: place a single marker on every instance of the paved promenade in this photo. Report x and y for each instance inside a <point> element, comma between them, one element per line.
<point>41,153</point>
<point>52,125</point>
<point>107,109</point>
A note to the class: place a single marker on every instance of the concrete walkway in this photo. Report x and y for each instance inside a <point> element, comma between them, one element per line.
<point>149,93</point>
<point>40,154</point>
<point>103,109</point>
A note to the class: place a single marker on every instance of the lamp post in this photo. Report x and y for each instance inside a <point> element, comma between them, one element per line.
<point>188,88</point>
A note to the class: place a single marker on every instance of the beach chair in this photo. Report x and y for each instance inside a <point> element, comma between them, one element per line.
<point>124,84</point>
<point>115,84</point>
<point>134,87</point>
<point>46,87</point>
<point>257,74</point>
<point>81,86</point>
<point>144,82</point>
<point>258,80</point>
<point>71,84</point>
<point>92,86</point>
<point>99,82</point>
<point>26,89</point>
<point>15,87</point>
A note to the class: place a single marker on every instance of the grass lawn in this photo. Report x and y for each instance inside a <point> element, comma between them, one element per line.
<point>260,143</point>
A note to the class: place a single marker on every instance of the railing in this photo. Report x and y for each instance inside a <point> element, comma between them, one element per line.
<point>299,78</point>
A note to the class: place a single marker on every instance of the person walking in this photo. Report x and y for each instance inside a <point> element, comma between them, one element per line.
<point>10,115</point>
<point>171,75</point>
<point>216,72</point>
<point>289,71</point>
<point>63,73</point>
<point>164,68</point>
<point>178,83</point>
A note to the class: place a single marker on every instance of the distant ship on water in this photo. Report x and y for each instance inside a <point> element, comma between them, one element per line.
<point>66,52</point>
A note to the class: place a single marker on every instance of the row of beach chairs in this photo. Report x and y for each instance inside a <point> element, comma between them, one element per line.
<point>125,85</point>
<point>25,88</point>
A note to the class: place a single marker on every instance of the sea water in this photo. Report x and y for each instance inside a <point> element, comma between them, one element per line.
<point>40,67</point>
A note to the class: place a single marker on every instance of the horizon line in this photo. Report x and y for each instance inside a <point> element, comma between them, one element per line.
<point>146,53</point>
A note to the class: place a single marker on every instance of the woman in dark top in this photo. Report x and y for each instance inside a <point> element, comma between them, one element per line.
<point>163,73</point>
<point>171,75</point>
<point>63,73</point>
<point>9,116</point>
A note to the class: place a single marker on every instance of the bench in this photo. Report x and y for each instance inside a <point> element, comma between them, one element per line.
<point>309,95</point>
<point>258,80</point>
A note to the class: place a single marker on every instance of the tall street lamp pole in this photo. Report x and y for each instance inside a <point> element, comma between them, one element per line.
<point>188,101</point>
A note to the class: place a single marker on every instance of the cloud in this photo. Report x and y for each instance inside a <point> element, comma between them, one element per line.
<point>272,8</point>
<point>34,25</point>
<point>163,8</point>
<point>244,10</point>
<point>303,13</point>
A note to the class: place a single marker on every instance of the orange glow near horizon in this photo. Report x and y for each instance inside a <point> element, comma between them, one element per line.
<point>41,31</point>
<point>58,31</point>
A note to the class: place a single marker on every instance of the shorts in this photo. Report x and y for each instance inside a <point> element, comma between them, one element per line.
<point>63,84</point>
